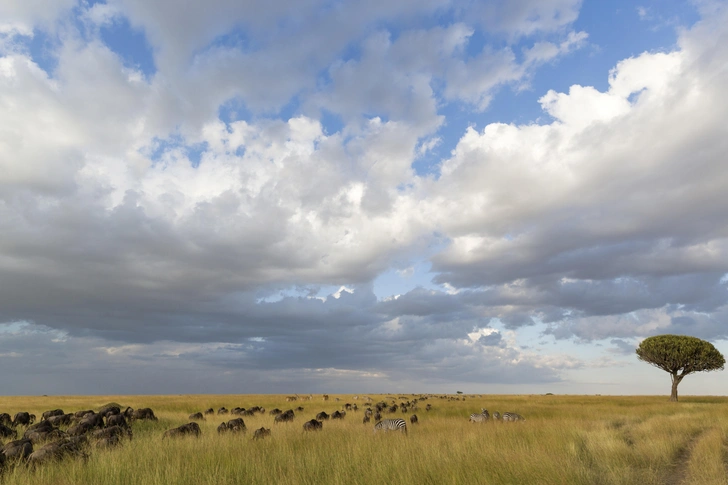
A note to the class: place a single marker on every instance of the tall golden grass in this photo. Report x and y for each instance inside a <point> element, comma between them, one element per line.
<point>564,440</point>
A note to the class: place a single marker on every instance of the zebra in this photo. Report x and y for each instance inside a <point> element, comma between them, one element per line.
<point>513,417</point>
<point>496,415</point>
<point>481,417</point>
<point>391,425</point>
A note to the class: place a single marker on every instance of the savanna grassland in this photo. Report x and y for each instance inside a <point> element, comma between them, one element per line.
<point>564,440</point>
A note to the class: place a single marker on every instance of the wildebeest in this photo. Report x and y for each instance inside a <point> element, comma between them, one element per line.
<point>81,414</point>
<point>144,413</point>
<point>116,420</point>
<point>196,416</point>
<point>261,433</point>
<point>54,412</point>
<point>209,411</point>
<point>237,411</point>
<point>234,425</point>
<point>60,419</point>
<point>322,416</point>
<point>338,415</point>
<point>57,450</point>
<point>110,436</point>
<point>18,449</point>
<point>285,417</point>
<point>366,419</point>
<point>93,420</point>
<point>7,432</point>
<point>109,409</point>
<point>312,425</point>
<point>5,419</point>
<point>222,410</point>
<point>275,411</point>
<point>413,419</point>
<point>79,429</point>
<point>185,429</point>
<point>23,419</point>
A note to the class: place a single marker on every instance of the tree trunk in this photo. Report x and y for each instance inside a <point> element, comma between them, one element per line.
<point>675,381</point>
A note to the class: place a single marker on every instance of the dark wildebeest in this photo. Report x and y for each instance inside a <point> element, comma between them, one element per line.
<point>275,412</point>
<point>57,450</point>
<point>18,449</point>
<point>128,412</point>
<point>261,433</point>
<point>236,425</point>
<point>54,412</point>
<point>185,429</point>
<point>322,416</point>
<point>222,410</point>
<point>79,429</point>
<point>6,419</point>
<point>144,413</point>
<point>116,420</point>
<point>237,411</point>
<point>60,420</point>
<point>209,411</point>
<point>7,432</point>
<point>338,415</point>
<point>313,425</point>
<point>299,408</point>
<point>413,419</point>
<point>111,436</point>
<point>196,416</point>
<point>285,417</point>
<point>23,419</point>
<point>81,414</point>
<point>109,409</point>
<point>366,419</point>
<point>93,420</point>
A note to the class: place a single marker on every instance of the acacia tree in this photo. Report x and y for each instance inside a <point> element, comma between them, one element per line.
<point>680,355</point>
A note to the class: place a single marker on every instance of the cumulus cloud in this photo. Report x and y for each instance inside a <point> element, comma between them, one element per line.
<point>140,226</point>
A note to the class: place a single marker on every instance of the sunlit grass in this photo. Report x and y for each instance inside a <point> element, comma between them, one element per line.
<point>564,440</point>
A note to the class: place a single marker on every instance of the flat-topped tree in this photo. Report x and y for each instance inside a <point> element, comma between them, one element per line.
<point>680,355</point>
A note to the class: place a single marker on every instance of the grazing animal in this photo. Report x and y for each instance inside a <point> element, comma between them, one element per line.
<point>391,425</point>
<point>480,417</point>
<point>366,419</point>
<point>144,413</point>
<point>79,429</point>
<point>196,416</point>
<point>313,425</point>
<point>236,425</point>
<point>513,417</point>
<point>185,429</point>
<point>81,414</point>
<point>326,397</point>
<point>24,419</point>
<point>275,412</point>
<point>377,416</point>
<point>5,419</point>
<point>108,437</point>
<point>414,420</point>
<point>57,450</point>
<point>18,449</point>
<point>7,432</point>
<point>338,415</point>
<point>496,415</point>
<point>209,411</point>
<point>285,417</point>
<point>93,420</point>
<point>116,420</point>
<point>54,412</point>
<point>109,409</point>
<point>261,433</point>
<point>428,407</point>
<point>322,416</point>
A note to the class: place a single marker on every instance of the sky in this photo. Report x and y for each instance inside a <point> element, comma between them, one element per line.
<point>360,196</point>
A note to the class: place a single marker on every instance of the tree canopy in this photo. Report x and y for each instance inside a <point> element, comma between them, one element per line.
<point>680,355</point>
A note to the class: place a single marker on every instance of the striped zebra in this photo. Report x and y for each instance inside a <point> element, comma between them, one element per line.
<point>513,417</point>
<point>391,425</point>
<point>496,415</point>
<point>481,417</point>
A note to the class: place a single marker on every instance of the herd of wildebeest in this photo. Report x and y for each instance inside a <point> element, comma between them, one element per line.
<point>58,434</point>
